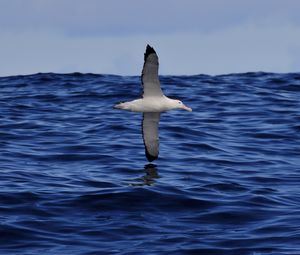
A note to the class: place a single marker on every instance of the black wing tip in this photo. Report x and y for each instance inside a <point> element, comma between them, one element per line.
<point>150,157</point>
<point>149,50</point>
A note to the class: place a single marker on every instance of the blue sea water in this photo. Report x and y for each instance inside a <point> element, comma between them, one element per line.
<point>74,178</point>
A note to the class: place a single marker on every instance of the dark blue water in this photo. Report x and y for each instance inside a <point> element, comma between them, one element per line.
<point>74,178</point>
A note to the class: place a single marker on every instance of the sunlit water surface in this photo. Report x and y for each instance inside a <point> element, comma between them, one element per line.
<point>74,178</point>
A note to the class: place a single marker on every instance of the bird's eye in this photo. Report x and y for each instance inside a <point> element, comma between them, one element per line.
<point>179,102</point>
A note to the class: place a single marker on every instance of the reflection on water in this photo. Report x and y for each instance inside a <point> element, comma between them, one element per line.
<point>151,174</point>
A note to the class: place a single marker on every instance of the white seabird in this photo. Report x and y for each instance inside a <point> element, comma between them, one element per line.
<point>152,104</point>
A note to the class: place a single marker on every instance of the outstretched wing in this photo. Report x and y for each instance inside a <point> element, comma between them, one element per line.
<point>150,134</point>
<point>150,80</point>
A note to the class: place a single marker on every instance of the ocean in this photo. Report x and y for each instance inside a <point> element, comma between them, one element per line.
<point>74,178</point>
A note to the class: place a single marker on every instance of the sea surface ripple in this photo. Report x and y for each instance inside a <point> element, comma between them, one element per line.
<point>74,178</point>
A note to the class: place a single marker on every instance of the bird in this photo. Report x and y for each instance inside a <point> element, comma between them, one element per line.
<point>152,104</point>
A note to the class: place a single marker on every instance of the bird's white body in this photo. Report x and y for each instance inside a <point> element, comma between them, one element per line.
<point>152,104</point>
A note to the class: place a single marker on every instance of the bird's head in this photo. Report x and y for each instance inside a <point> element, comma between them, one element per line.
<point>179,105</point>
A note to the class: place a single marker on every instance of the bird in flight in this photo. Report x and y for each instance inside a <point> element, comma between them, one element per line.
<point>152,104</point>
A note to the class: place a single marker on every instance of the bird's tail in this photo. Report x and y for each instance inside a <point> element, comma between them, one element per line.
<point>122,106</point>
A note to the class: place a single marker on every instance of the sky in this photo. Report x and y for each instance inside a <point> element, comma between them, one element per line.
<point>109,36</point>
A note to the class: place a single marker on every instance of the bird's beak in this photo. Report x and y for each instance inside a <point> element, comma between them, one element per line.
<point>184,107</point>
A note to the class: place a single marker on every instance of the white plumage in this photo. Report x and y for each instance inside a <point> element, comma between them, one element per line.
<point>152,104</point>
